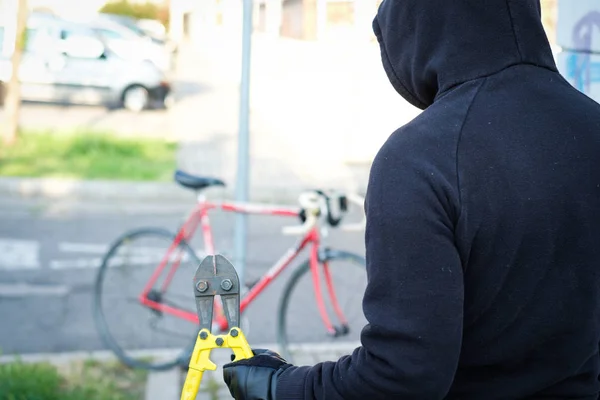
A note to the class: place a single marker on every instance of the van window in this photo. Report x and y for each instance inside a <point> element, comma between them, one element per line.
<point>76,31</point>
<point>39,41</point>
<point>109,34</point>
<point>31,39</point>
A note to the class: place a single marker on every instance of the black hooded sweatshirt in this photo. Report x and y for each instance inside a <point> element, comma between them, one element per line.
<point>483,219</point>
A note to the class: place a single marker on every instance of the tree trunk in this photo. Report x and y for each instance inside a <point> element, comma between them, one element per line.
<point>12,102</point>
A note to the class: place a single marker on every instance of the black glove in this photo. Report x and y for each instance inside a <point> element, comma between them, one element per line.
<point>254,378</point>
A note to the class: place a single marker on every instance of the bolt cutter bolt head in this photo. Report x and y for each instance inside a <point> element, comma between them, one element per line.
<point>202,286</point>
<point>203,335</point>
<point>234,332</point>
<point>226,284</point>
<point>219,341</point>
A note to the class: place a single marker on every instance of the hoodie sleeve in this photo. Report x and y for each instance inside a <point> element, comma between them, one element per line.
<point>414,296</point>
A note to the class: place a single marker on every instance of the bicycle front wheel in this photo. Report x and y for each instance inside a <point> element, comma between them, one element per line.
<point>139,334</point>
<point>301,326</point>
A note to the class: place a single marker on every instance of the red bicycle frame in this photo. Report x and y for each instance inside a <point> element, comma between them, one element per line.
<point>199,216</point>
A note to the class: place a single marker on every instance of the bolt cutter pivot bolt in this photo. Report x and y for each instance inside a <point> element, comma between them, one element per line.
<point>203,335</point>
<point>226,284</point>
<point>219,341</point>
<point>234,332</point>
<point>202,286</point>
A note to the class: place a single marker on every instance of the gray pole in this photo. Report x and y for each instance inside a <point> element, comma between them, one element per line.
<point>243,166</point>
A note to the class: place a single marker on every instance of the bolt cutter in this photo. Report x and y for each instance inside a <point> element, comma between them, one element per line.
<point>215,276</point>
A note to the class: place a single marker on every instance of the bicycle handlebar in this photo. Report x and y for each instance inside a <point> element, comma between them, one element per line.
<point>359,201</point>
<point>317,204</point>
<point>309,203</point>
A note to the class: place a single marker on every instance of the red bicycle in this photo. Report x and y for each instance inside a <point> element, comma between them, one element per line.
<point>126,300</point>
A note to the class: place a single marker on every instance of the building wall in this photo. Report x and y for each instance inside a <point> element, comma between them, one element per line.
<point>68,7</point>
<point>578,34</point>
<point>292,24</point>
<point>329,19</point>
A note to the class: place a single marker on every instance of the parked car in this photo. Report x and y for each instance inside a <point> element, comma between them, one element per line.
<point>131,42</point>
<point>69,62</point>
<point>152,29</point>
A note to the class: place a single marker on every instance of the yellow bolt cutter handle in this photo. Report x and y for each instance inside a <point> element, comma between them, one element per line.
<point>200,360</point>
<point>191,385</point>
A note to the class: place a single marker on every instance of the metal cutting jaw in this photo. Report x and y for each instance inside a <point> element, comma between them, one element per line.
<point>217,276</point>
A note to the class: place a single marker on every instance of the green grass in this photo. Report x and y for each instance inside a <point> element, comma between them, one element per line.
<point>88,155</point>
<point>88,380</point>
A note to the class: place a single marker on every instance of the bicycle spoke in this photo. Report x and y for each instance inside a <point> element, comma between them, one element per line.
<point>178,306</point>
<point>153,323</point>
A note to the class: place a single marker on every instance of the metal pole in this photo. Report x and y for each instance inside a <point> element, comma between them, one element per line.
<point>243,165</point>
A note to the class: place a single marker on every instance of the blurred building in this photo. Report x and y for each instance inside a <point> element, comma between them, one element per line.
<point>66,7</point>
<point>297,19</point>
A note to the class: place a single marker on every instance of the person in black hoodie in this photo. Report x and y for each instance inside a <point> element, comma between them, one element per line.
<point>483,223</point>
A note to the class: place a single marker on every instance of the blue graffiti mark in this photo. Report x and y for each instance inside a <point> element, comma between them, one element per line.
<point>582,71</point>
<point>580,67</point>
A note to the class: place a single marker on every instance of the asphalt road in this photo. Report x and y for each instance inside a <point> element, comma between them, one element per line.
<point>50,251</point>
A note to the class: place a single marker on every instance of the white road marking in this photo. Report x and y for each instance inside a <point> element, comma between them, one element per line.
<point>96,248</point>
<point>25,255</point>
<point>19,254</point>
<point>25,290</point>
<point>76,263</point>
<point>137,257</point>
<point>70,247</point>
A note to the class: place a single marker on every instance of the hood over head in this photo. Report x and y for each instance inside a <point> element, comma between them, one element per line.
<point>430,46</point>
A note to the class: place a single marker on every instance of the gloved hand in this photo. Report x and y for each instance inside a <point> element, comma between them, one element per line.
<point>254,378</point>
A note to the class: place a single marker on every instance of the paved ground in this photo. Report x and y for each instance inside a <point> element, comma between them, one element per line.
<point>43,117</point>
<point>49,253</point>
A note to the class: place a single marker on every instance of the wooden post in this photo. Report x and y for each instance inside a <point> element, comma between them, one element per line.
<point>12,103</point>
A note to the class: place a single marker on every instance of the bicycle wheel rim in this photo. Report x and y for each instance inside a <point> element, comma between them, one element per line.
<point>333,257</point>
<point>100,317</point>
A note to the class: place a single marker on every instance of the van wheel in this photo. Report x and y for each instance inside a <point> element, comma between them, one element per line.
<point>136,98</point>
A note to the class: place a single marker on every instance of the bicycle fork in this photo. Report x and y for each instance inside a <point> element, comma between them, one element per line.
<point>318,257</point>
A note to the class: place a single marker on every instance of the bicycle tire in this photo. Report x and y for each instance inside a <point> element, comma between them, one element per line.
<point>99,316</point>
<point>299,272</point>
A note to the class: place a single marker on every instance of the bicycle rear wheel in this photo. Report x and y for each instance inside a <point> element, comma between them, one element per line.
<point>300,325</point>
<point>140,336</point>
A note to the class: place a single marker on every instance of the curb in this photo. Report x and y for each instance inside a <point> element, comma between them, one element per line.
<point>56,188</point>
<point>72,189</point>
<point>60,359</point>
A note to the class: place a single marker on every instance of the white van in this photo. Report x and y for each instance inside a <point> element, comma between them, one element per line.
<point>69,62</point>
